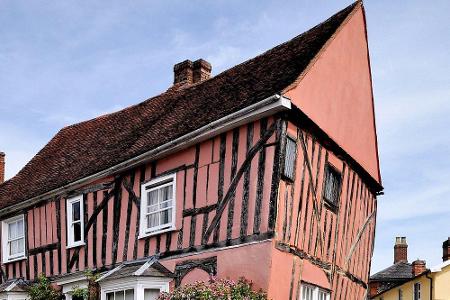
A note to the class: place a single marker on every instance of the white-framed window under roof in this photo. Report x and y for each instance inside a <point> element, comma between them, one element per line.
<point>75,222</point>
<point>158,205</point>
<point>13,239</point>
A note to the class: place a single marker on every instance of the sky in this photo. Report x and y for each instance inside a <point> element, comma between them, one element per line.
<point>62,62</point>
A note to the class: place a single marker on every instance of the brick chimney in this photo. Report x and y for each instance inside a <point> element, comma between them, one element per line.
<point>400,250</point>
<point>188,72</point>
<point>202,70</point>
<point>2,167</point>
<point>446,250</point>
<point>418,267</point>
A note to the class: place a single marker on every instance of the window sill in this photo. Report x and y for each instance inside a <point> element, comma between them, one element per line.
<point>14,259</point>
<point>156,232</point>
<point>77,245</point>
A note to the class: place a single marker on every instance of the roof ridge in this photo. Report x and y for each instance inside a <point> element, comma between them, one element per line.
<point>88,147</point>
<point>224,72</point>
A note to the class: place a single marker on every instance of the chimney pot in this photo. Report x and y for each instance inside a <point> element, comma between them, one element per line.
<point>2,167</point>
<point>400,250</point>
<point>446,250</point>
<point>418,267</point>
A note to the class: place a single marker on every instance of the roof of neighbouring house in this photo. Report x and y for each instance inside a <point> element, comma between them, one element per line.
<point>394,276</point>
<point>89,147</point>
<point>399,271</point>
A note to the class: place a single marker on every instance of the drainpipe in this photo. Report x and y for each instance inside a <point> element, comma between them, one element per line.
<point>431,285</point>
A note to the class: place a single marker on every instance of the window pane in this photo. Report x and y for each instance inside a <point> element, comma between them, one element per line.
<point>166,204</point>
<point>332,185</point>
<point>129,294</point>
<point>20,228</point>
<point>166,193</point>
<point>289,163</point>
<point>152,220</point>
<point>77,232</point>
<point>12,230</point>
<point>21,245</point>
<point>75,211</point>
<point>12,247</point>
<point>120,295</point>
<point>152,208</point>
<point>151,294</point>
<point>110,296</point>
<point>166,216</point>
<point>152,198</point>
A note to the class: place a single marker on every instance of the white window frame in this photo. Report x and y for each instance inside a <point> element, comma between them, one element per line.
<point>6,258</point>
<point>138,284</point>
<point>70,234</point>
<point>315,291</point>
<point>157,183</point>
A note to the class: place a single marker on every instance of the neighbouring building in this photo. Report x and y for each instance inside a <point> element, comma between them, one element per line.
<point>414,281</point>
<point>268,170</point>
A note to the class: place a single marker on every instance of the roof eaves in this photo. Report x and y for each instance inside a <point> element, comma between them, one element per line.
<point>268,106</point>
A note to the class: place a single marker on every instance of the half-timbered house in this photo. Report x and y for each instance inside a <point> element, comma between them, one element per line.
<point>268,170</point>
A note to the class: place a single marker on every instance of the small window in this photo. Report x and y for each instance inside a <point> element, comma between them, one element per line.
<point>307,292</point>
<point>417,294</point>
<point>332,187</point>
<point>121,295</point>
<point>75,222</point>
<point>158,206</point>
<point>324,295</point>
<point>290,158</point>
<point>13,239</point>
<point>400,294</point>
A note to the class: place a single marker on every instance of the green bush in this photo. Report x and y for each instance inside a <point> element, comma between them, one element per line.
<point>215,290</point>
<point>43,290</point>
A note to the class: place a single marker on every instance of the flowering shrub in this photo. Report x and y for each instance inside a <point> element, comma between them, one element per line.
<point>43,290</point>
<point>215,290</point>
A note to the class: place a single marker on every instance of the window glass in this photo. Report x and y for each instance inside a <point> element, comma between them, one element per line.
<point>307,292</point>
<point>290,158</point>
<point>159,200</point>
<point>121,295</point>
<point>129,295</point>
<point>323,295</point>
<point>16,238</point>
<point>417,295</point>
<point>76,211</point>
<point>150,294</point>
<point>75,221</point>
<point>332,186</point>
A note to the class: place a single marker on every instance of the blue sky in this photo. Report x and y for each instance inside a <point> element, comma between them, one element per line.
<point>66,61</point>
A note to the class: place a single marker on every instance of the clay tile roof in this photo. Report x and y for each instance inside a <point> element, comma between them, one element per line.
<point>89,147</point>
<point>401,271</point>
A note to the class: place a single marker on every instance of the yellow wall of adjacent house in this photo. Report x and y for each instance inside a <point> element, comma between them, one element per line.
<point>441,287</point>
<point>441,282</point>
<point>408,290</point>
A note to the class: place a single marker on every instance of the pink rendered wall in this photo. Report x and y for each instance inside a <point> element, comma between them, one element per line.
<point>336,93</point>
<point>334,246</point>
<point>204,175</point>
